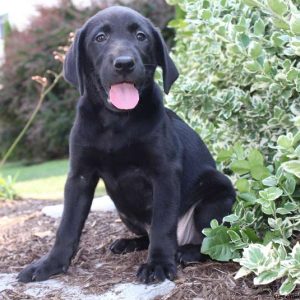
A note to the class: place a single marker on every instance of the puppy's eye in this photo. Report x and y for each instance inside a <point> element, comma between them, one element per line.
<point>141,36</point>
<point>101,37</point>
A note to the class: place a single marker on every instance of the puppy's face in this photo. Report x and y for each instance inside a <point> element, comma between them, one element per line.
<point>118,50</point>
<point>120,45</point>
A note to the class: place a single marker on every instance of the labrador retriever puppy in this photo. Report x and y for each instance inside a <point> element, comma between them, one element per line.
<point>156,169</point>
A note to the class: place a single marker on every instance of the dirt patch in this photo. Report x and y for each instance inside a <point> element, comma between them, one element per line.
<point>26,234</point>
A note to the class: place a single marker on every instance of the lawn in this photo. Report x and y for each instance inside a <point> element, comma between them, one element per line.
<point>41,181</point>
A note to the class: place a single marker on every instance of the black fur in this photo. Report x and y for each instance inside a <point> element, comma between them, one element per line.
<point>154,166</point>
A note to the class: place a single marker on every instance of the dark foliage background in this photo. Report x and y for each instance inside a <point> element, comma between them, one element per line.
<point>29,53</point>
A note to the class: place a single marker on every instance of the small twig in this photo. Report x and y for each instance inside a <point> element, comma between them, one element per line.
<point>44,92</point>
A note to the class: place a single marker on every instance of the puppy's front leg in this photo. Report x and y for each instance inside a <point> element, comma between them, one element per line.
<point>163,239</point>
<point>79,192</point>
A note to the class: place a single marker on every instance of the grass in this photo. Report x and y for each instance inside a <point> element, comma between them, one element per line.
<point>41,181</point>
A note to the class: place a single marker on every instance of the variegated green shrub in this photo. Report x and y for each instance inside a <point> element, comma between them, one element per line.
<point>239,88</point>
<point>239,65</point>
<point>266,216</point>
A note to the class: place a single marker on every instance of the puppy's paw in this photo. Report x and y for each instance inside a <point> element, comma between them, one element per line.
<point>41,270</point>
<point>156,272</point>
<point>188,254</point>
<point>121,246</point>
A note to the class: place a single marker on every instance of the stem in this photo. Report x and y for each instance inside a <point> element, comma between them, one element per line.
<point>293,225</point>
<point>44,92</point>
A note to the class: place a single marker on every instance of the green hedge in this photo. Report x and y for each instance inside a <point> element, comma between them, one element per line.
<point>239,68</point>
<point>239,88</point>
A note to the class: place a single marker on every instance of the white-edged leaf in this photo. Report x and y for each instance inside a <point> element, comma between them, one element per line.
<point>266,277</point>
<point>293,167</point>
<point>242,272</point>
<point>287,287</point>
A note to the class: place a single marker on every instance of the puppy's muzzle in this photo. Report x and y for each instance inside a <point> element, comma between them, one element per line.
<point>124,64</point>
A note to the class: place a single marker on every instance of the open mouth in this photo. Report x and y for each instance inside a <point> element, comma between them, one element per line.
<point>124,95</point>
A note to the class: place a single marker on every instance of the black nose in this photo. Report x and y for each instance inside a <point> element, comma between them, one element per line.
<point>124,63</point>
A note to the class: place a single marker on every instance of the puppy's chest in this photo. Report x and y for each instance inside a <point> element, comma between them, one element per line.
<point>126,180</point>
<point>131,191</point>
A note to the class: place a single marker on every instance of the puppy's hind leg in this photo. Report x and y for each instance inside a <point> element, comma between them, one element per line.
<point>122,246</point>
<point>216,196</point>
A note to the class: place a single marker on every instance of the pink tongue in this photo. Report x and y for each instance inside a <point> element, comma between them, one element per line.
<point>124,95</point>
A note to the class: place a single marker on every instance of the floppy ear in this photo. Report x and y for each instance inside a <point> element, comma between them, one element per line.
<point>170,72</point>
<point>73,72</point>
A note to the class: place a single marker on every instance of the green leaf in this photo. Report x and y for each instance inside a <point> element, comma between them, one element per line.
<point>296,252</point>
<point>240,166</point>
<point>255,49</point>
<point>297,121</point>
<point>259,172</point>
<point>282,252</point>
<point>266,277</point>
<point>206,14</point>
<point>270,236</point>
<point>281,24</point>
<point>296,138</point>
<point>292,74</point>
<point>242,185</point>
<point>234,49</point>
<point>224,155</point>
<point>242,272</point>
<point>239,151</point>
<point>271,193</point>
<point>259,27</point>
<point>293,167</point>
<point>234,236</point>
<point>290,185</point>
<point>255,158</point>
<point>287,286</point>
<point>297,151</point>
<point>279,173</point>
<point>231,218</point>
<point>287,208</point>
<point>217,245</point>
<point>285,142</point>
<point>270,181</point>
<point>254,256</point>
<point>295,24</point>
<point>207,231</point>
<point>248,197</point>
<point>177,23</point>
<point>252,66</point>
<point>277,39</point>
<point>243,40</point>
<point>214,223</point>
<point>267,209</point>
<point>279,7</point>
<point>298,85</point>
<point>250,2</point>
<point>251,235</point>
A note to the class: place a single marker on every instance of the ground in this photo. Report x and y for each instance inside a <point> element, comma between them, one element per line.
<point>26,234</point>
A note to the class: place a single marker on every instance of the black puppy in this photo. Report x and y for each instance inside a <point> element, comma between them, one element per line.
<point>156,169</point>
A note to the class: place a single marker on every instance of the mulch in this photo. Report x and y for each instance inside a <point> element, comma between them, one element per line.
<point>26,234</point>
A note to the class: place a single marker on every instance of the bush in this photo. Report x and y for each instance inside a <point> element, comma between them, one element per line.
<point>29,53</point>
<point>239,84</point>
<point>242,65</point>
<point>265,223</point>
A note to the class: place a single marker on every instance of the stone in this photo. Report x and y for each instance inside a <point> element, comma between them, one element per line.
<point>103,203</point>
<point>123,291</point>
<point>130,291</point>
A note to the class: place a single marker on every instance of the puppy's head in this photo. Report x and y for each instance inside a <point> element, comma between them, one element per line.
<point>116,52</point>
